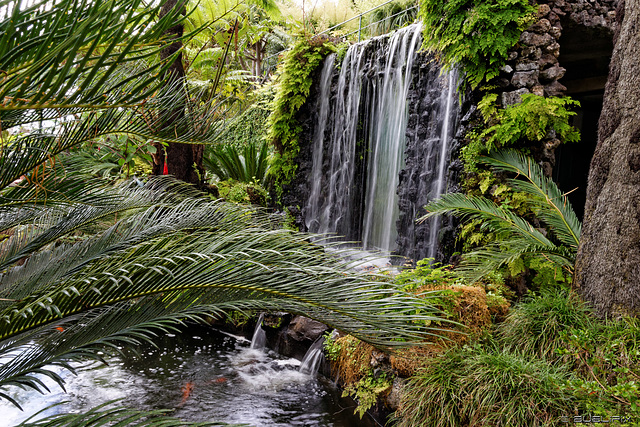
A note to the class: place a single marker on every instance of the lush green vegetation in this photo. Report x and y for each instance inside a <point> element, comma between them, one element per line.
<point>95,254</point>
<point>87,266</point>
<point>518,244</point>
<point>475,35</point>
<point>294,85</point>
<point>530,121</point>
<point>550,359</point>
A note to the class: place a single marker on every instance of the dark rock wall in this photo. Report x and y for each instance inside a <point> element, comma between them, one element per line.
<point>424,125</point>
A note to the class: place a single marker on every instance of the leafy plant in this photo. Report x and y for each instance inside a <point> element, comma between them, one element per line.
<point>532,120</point>
<point>367,391</point>
<point>474,34</point>
<point>536,325</point>
<point>249,164</point>
<point>607,357</point>
<point>294,86</point>
<point>517,240</point>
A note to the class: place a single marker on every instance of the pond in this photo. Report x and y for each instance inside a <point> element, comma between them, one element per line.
<point>203,375</point>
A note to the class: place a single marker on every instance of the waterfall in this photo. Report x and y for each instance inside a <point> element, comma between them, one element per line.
<point>313,358</point>
<point>384,122</point>
<point>388,123</point>
<point>318,144</point>
<point>259,339</point>
<point>438,185</point>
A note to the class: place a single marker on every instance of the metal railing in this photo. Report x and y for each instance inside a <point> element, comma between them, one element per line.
<point>360,31</point>
<point>359,18</point>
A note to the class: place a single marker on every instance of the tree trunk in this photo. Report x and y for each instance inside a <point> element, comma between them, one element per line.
<point>184,161</point>
<point>608,261</point>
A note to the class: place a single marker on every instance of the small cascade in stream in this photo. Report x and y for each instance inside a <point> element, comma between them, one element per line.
<point>381,142</point>
<point>312,360</point>
<point>259,339</point>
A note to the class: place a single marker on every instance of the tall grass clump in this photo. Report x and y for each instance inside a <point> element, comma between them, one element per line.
<point>536,325</point>
<point>485,385</point>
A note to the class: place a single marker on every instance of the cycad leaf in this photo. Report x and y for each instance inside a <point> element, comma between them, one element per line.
<point>552,205</point>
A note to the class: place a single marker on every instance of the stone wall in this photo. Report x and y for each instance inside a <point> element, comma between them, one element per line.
<point>533,65</point>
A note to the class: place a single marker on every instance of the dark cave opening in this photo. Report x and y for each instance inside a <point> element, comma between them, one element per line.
<point>585,53</point>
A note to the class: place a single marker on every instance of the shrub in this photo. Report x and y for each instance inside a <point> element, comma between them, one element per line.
<point>293,89</point>
<point>535,325</point>
<point>531,120</point>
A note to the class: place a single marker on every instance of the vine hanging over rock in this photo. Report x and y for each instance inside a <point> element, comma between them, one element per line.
<point>294,86</point>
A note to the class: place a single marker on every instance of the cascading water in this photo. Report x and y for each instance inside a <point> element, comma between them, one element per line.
<point>369,114</point>
<point>312,360</point>
<point>361,139</point>
<point>438,185</point>
<point>259,339</point>
<point>388,123</point>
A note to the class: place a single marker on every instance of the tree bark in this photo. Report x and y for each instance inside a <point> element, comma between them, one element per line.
<point>184,161</point>
<point>607,273</point>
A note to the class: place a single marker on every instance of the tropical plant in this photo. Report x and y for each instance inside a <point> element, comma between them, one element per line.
<point>517,240</point>
<point>226,162</point>
<point>150,255</point>
<point>531,120</point>
<point>475,35</point>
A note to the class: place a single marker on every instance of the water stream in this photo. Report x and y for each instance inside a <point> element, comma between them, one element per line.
<point>203,375</point>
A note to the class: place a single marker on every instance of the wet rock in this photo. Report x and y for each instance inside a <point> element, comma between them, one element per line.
<point>555,89</point>
<point>523,79</point>
<point>541,27</point>
<point>514,97</point>
<point>527,66</point>
<point>553,73</point>
<point>533,39</point>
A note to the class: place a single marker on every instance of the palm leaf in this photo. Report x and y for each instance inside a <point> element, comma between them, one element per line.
<point>552,205</point>
<point>104,415</point>
<point>516,238</point>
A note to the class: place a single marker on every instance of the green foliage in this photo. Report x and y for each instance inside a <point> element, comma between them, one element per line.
<point>251,125</point>
<point>535,326</point>
<point>474,34</point>
<point>606,356</point>
<point>331,347</point>
<point>154,254</point>
<point>367,390</point>
<point>535,118</point>
<point>427,273</point>
<point>249,164</point>
<point>485,385</point>
<point>427,276</point>
<point>293,88</point>
<point>550,358</point>
<point>241,192</point>
<point>517,241</point>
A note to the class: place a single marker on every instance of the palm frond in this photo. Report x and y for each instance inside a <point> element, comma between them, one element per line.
<point>66,57</point>
<point>515,238</point>
<point>105,414</point>
<point>492,216</point>
<point>552,205</point>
